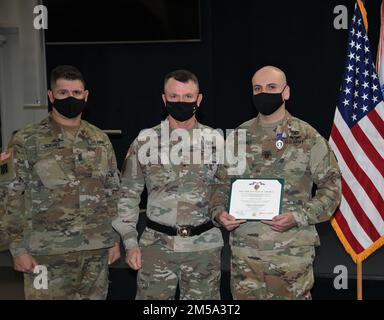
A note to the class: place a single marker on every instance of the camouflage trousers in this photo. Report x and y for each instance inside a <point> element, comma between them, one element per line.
<point>197,274</point>
<point>274,274</point>
<point>72,276</point>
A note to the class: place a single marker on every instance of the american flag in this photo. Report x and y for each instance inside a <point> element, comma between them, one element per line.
<point>380,51</point>
<point>357,140</point>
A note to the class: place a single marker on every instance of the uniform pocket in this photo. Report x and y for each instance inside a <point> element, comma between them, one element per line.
<point>50,173</point>
<point>96,159</point>
<point>159,176</point>
<point>296,162</point>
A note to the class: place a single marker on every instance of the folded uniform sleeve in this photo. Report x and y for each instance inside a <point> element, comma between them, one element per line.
<point>112,185</point>
<point>326,175</point>
<point>234,166</point>
<point>132,185</point>
<point>219,195</point>
<point>16,221</point>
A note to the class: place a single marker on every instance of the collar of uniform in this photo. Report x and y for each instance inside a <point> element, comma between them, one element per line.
<point>57,132</point>
<point>287,119</point>
<point>54,128</point>
<point>197,125</point>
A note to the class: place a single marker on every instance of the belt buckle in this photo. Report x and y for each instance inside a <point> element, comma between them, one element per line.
<point>184,231</point>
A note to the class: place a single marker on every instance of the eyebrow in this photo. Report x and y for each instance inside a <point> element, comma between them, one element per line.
<point>62,89</point>
<point>268,84</point>
<point>185,94</point>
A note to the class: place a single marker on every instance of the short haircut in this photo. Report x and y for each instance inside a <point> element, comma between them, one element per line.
<point>66,72</point>
<point>183,76</point>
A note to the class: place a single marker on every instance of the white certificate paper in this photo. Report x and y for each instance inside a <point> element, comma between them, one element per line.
<point>256,199</point>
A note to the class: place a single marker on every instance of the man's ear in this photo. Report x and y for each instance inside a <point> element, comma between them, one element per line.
<point>164,98</point>
<point>199,99</point>
<point>50,96</point>
<point>86,93</point>
<point>286,93</point>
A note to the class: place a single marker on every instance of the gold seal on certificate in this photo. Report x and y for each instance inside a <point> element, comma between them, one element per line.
<point>256,199</point>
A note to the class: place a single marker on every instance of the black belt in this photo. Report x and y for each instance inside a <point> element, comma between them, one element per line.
<point>182,231</point>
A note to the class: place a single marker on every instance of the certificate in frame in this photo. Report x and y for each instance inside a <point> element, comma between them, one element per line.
<point>256,199</point>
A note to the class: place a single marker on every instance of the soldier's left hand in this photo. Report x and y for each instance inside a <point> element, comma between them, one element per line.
<point>114,253</point>
<point>282,222</point>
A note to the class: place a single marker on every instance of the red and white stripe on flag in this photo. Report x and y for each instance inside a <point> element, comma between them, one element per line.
<point>357,138</point>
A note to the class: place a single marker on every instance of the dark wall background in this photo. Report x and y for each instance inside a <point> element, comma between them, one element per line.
<point>125,80</point>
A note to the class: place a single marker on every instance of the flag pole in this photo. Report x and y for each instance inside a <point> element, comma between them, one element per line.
<point>359,280</point>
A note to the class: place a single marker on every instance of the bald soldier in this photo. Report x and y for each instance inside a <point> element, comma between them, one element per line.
<point>272,259</point>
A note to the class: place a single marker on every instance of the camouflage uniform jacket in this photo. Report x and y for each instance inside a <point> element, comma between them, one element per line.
<point>6,176</point>
<point>306,158</point>
<point>4,236</point>
<point>70,190</point>
<point>177,195</point>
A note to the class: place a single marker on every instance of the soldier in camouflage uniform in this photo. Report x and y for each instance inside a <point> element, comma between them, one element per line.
<point>6,175</point>
<point>180,245</point>
<point>67,177</point>
<point>273,259</point>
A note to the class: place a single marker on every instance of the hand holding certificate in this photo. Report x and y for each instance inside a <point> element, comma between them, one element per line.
<point>256,199</point>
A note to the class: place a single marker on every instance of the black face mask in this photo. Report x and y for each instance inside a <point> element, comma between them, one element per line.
<point>181,111</point>
<point>69,107</point>
<point>268,103</point>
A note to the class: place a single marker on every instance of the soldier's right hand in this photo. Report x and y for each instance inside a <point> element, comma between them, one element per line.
<point>133,258</point>
<point>24,263</point>
<point>227,221</point>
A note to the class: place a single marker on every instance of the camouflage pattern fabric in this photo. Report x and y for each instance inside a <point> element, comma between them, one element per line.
<point>7,174</point>
<point>74,276</point>
<point>69,190</point>
<point>177,195</point>
<point>8,226</point>
<point>198,274</point>
<point>305,159</point>
<point>4,236</point>
<point>272,274</point>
